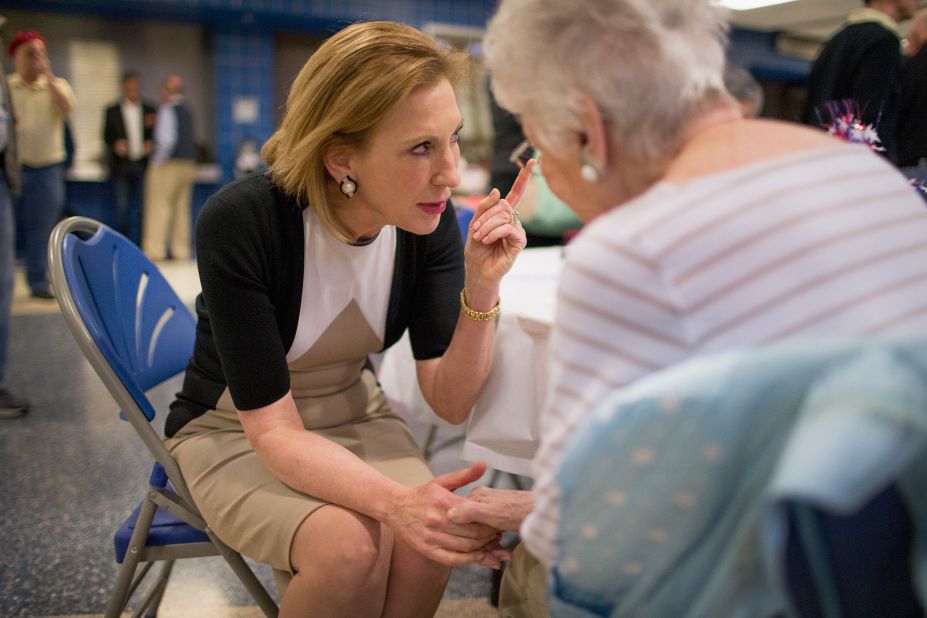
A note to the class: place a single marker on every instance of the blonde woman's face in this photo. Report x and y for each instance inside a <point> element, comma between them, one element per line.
<point>407,170</point>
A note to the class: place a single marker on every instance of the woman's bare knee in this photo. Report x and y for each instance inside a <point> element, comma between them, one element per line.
<point>416,583</point>
<point>342,544</point>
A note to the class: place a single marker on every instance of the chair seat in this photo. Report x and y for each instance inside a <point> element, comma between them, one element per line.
<point>166,529</point>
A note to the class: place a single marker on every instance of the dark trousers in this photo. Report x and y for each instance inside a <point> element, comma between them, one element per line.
<point>855,565</point>
<point>128,194</point>
<point>37,211</point>
<point>6,268</point>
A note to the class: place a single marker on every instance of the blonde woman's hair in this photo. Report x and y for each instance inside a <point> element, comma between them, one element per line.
<point>339,97</point>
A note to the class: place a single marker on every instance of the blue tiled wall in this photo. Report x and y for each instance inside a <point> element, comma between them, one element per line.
<point>241,36</point>
<point>243,48</point>
<point>295,14</point>
<point>756,51</point>
<point>243,67</point>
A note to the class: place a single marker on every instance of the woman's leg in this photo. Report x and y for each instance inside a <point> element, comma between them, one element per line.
<point>416,583</point>
<point>341,562</point>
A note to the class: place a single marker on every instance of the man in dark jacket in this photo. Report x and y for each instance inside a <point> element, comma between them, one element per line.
<point>127,132</point>
<point>912,118</point>
<point>862,64</point>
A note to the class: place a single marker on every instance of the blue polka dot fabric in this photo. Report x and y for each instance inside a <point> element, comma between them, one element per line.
<point>669,490</point>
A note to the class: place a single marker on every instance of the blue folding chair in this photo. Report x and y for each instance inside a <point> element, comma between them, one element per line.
<point>136,333</point>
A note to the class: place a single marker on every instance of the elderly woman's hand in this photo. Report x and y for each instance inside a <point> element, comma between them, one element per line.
<point>420,520</point>
<point>496,238</point>
<point>501,509</point>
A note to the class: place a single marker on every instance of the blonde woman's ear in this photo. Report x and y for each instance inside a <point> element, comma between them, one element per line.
<point>337,163</point>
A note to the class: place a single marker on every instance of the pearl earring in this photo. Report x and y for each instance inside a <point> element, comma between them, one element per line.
<point>348,186</point>
<point>589,168</point>
<point>589,173</point>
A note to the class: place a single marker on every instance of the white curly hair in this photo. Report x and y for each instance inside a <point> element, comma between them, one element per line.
<point>650,65</point>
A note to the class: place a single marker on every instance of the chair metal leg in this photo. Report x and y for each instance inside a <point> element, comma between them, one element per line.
<point>140,575</point>
<point>513,479</point>
<point>429,442</point>
<point>432,446</point>
<point>117,600</point>
<point>120,596</point>
<point>150,607</point>
<point>265,602</point>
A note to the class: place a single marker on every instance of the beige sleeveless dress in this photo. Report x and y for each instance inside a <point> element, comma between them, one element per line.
<point>244,503</point>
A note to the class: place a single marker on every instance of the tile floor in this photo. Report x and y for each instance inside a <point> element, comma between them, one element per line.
<point>70,471</point>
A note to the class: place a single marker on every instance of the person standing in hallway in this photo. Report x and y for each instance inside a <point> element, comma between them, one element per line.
<point>129,136</point>
<point>10,405</point>
<point>170,178</point>
<point>862,64</point>
<point>741,84</point>
<point>41,103</point>
<point>912,119</point>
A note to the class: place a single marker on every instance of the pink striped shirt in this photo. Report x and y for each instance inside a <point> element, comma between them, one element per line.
<point>819,244</point>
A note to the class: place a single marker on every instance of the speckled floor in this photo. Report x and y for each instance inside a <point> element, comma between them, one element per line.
<point>70,471</point>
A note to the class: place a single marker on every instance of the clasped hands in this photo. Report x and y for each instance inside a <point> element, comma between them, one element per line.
<point>455,530</point>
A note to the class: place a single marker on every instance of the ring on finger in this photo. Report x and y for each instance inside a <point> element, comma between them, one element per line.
<point>515,218</point>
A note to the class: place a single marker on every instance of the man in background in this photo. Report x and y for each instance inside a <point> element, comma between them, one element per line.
<point>10,405</point>
<point>128,134</point>
<point>41,102</point>
<point>912,117</point>
<point>744,87</point>
<point>862,64</point>
<point>170,178</point>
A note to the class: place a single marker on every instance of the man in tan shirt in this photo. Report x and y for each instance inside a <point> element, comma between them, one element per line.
<point>41,102</point>
<point>11,405</point>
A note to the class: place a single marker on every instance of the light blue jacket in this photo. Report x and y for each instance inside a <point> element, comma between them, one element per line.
<point>672,490</point>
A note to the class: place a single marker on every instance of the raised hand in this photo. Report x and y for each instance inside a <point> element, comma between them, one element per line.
<point>43,66</point>
<point>495,240</point>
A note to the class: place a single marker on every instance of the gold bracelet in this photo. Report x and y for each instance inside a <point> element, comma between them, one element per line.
<point>473,314</point>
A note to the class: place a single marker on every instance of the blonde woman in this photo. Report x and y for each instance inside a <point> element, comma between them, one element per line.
<point>345,242</point>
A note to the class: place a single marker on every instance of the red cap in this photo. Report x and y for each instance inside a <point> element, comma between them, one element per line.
<point>23,36</point>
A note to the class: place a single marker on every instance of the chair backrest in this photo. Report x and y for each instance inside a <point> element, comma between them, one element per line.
<point>125,317</point>
<point>671,492</point>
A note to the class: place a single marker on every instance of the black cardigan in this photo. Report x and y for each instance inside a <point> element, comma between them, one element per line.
<point>250,253</point>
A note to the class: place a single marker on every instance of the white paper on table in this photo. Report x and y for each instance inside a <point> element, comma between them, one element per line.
<point>503,426</point>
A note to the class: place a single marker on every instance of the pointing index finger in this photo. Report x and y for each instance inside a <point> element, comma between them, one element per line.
<point>520,184</point>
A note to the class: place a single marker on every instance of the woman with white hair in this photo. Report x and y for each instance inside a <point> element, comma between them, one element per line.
<point>703,230</point>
